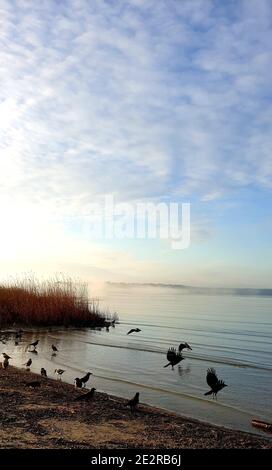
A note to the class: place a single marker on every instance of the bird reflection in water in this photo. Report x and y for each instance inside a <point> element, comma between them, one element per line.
<point>183,371</point>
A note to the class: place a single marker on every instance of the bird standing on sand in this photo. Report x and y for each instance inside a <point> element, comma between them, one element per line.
<point>43,372</point>
<point>6,356</point>
<point>213,382</point>
<point>87,396</point>
<point>5,363</point>
<point>85,379</point>
<point>134,330</point>
<point>59,372</point>
<point>78,383</point>
<point>54,348</point>
<point>28,363</point>
<point>173,357</point>
<point>33,384</point>
<point>184,346</point>
<point>134,402</point>
<point>34,344</point>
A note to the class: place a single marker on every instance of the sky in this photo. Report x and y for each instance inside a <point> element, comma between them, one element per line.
<point>147,101</point>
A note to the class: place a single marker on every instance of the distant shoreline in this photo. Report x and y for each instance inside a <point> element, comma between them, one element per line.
<point>200,290</point>
<point>48,417</point>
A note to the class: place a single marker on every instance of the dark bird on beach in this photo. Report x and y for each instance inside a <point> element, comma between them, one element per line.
<point>184,346</point>
<point>33,384</point>
<point>59,372</point>
<point>134,330</point>
<point>214,383</point>
<point>85,379</point>
<point>87,396</point>
<point>6,356</point>
<point>173,357</point>
<point>5,363</point>
<point>54,348</point>
<point>78,383</point>
<point>34,344</point>
<point>43,372</point>
<point>28,363</point>
<point>133,402</point>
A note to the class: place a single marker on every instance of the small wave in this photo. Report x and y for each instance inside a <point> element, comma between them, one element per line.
<point>206,358</point>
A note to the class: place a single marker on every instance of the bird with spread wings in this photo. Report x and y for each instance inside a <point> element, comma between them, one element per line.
<point>173,357</point>
<point>214,383</point>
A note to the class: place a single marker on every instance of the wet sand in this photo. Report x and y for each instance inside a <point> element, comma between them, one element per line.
<point>48,417</point>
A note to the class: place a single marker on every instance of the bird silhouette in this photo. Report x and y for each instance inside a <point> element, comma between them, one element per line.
<point>85,379</point>
<point>134,330</point>
<point>78,383</point>
<point>28,363</point>
<point>173,357</point>
<point>34,344</point>
<point>43,372</point>
<point>87,396</point>
<point>54,348</point>
<point>214,383</point>
<point>6,356</point>
<point>59,372</point>
<point>5,363</point>
<point>134,402</point>
<point>184,346</point>
<point>33,384</point>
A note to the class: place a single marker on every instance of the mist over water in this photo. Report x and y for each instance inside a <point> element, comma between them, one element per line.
<point>232,333</point>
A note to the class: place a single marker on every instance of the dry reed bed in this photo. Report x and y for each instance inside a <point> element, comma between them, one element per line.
<point>53,302</point>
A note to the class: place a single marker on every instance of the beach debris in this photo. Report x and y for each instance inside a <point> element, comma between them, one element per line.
<point>173,357</point>
<point>267,427</point>
<point>59,372</point>
<point>43,372</point>
<point>87,396</point>
<point>134,330</point>
<point>134,402</point>
<point>213,382</point>
<point>184,346</point>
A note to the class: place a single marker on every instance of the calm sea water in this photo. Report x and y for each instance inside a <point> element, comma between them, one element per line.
<point>231,333</point>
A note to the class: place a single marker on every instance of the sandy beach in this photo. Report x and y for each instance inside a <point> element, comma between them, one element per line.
<point>48,417</point>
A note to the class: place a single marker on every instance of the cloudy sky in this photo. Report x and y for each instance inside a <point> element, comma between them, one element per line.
<point>146,100</point>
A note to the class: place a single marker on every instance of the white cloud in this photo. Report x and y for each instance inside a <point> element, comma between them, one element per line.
<point>143,99</point>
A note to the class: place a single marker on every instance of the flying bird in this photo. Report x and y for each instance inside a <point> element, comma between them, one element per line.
<point>133,402</point>
<point>184,346</point>
<point>214,383</point>
<point>43,372</point>
<point>85,379</point>
<point>134,330</point>
<point>28,363</point>
<point>87,396</point>
<point>59,372</point>
<point>54,348</point>
<point>34,344</point>
<point>173,357</point>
